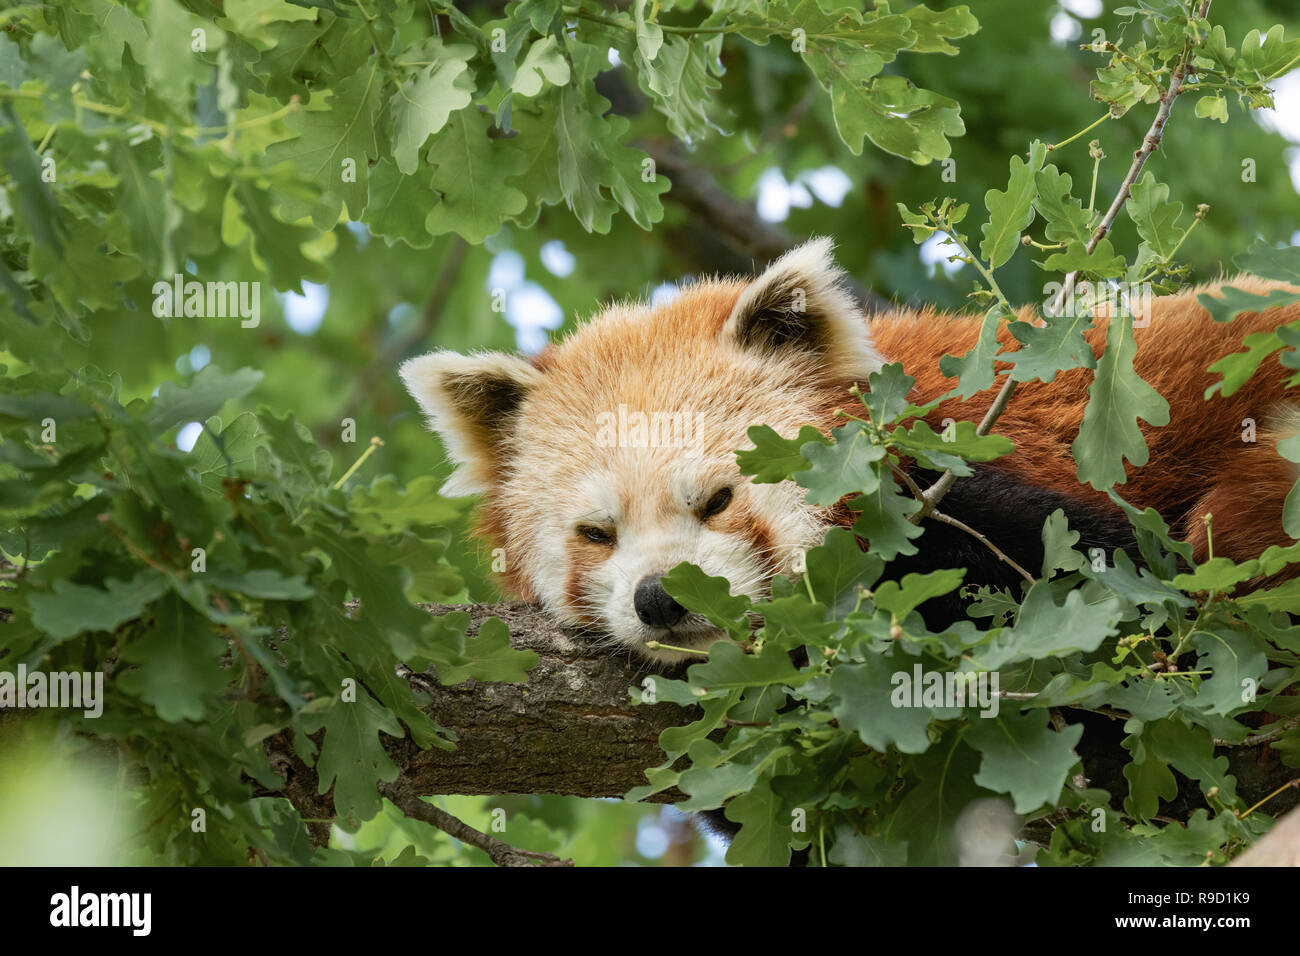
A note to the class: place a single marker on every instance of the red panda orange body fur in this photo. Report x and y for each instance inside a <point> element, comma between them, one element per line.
<point>1198,462</point>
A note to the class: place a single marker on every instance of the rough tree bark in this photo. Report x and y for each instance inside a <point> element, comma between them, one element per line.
<point>571,729</point>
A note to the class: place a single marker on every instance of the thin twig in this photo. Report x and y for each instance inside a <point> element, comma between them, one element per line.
<point>502,853</point>
<point>934,494</point>
<point>961,525</point>
<point>907,480</point>
<point>387,359</point>
<point>948,519</point>
<point>1276,730</point>
<point>1289,785</point>
<point>736,224</point>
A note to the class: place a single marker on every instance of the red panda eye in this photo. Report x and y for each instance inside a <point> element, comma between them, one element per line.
<point>598,535</point>
<point>717,504</point>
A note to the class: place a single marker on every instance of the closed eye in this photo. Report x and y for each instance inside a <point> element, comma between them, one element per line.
<point>716,505</point>
<point>597,534</point>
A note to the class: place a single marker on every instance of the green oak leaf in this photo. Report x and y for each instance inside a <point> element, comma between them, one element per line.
<point>383,507</point>
<point>765,836</point>
<point>940,784</point>
<point>707,595</point>
<point>1065,217</point>
<point>597,174</point>
<point>974,370</point>
<point>1227,302</point>
<point>1238,367</point>
<point>843,468</point>
<point>276,245</point>
<point>352,758</point>
<point>543,63</point>
<point>864,703</point>
<point>262,583</point>
<point>961,438</point>
<point>774,458</point>
<point>1116,399</point>
<point>171,65</point>
<point>1058,545</point>
<point>712,779</point>
<point>1046,629</point>
<point>1268,55</point>
<point>1216,574</point>
<point>902,119</point>
<point>900,599</point>
<point>69,609</point>
<point>681,85</point>
<point>1190,750</point>
<point>1148,775</point>
<point>887,397</point>
<point>1281,264</point>
<point>538,141</point>
<point>488,656</point>
<point>335,141</point>
<point>837,569</point>
<point>396,205</point>
<point>177,663</point>
<point>728,666</point>
<point>295,455</point>
<point>1289,448</point>
<point>202,398</point>
<point>1011,209</point>
<point>470,173</point>
<point>1154,215</point>
<point>1237,660</point>
<point>146,209</point>
<point>424,102</point>
<point>1102,262</point>
<point>934,28</point>
<point>1054,347</point>
<point>1023,756</point>
<point>1212,106</point>
<point>883,519</point>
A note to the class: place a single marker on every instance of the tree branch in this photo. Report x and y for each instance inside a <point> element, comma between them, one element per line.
<point>502,853</point>
<point>738,238</point>
<point>572,729</point>
<point>430,316</point>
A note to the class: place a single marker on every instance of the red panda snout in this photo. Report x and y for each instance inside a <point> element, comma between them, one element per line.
<point>655,513</point>
<point>655,606</point>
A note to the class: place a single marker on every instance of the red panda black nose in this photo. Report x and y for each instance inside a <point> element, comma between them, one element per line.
<point>654,606</point>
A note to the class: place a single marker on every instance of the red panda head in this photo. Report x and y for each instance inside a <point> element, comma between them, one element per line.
<point>610,458</point>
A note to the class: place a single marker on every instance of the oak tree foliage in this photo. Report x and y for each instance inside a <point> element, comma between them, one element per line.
<point>160,157</point>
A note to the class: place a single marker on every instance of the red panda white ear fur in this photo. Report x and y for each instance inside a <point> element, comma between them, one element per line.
<point>799,303</point>
<point>471,402</point>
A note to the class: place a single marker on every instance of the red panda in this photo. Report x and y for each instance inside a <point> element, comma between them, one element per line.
<point>591,508</point>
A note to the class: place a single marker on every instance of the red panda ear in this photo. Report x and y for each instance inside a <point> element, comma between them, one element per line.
<point>799,305</point>
<point>471,402</point>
